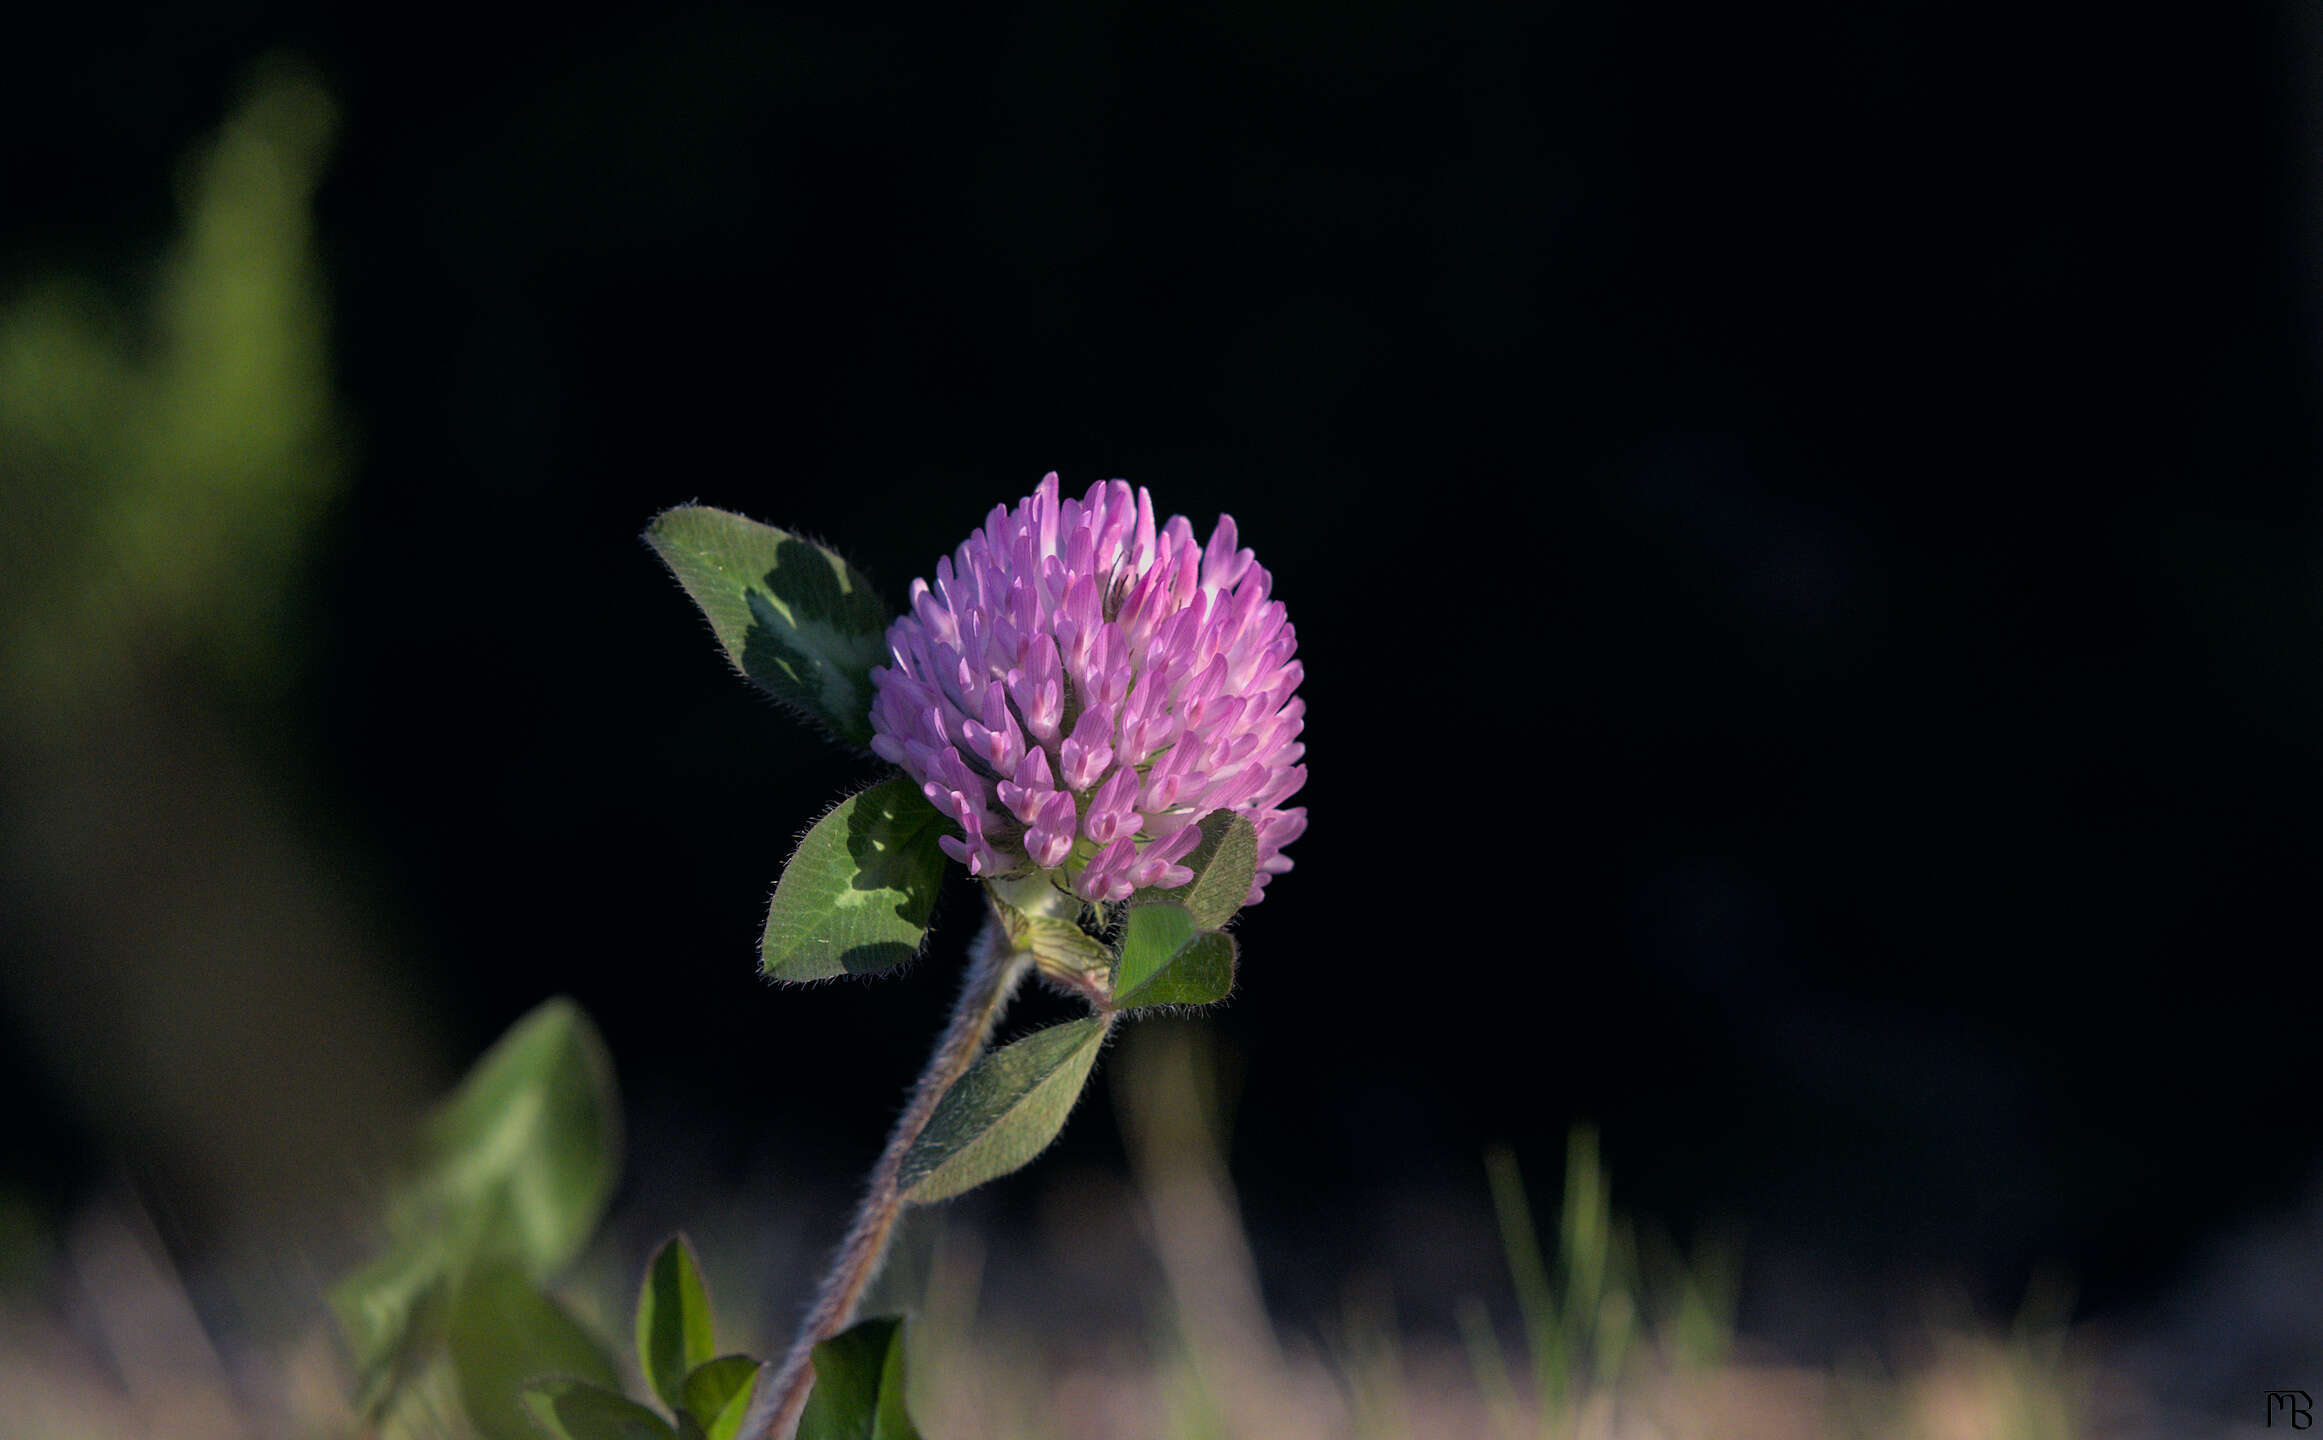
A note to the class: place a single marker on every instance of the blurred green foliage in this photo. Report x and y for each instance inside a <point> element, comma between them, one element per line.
<point>509,1180</point>
<point>195,971</point>
<point>507,1184</point>
<point>163,463</point>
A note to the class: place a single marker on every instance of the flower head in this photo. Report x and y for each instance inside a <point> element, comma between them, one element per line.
<point>1081,687</point>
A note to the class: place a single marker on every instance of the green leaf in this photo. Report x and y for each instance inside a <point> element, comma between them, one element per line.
<point>516,1165</point>
<point>857,895</point>
<point>571,1410</point>
<point>1200,973</point>
<point>859,1384</point>
<point>673,1320</point>
<point>528,1146</point>
<point>393,1312</point>
<point>1002,1113</point>
<point>506,1335</point>
<point>1224,863</point>
<point>718,1394</point>
<point>793,616</point>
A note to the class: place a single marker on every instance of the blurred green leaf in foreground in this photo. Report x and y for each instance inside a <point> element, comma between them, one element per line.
<point>509,1181</point>
<point>198,974</point>
<point>162,469</point>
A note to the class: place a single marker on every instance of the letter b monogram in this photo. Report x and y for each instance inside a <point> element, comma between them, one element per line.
<point>2293,1403</point>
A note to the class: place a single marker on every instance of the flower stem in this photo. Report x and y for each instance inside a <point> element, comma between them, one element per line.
<point>995,970</point>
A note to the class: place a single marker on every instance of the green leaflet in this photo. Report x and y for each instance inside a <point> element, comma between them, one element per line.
<point>857,895</point>
<point>1201,972</point>
<point>1151,936</point>
<point>572,1410</point>
<point>673,1321</point>
<point>858,1392</point>
<point>793,616</point>
<point>1002,1113</point>
<point>507,1335</point>
<point>718,1395</point>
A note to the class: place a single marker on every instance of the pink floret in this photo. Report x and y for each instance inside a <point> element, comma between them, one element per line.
<point>1080,687</point>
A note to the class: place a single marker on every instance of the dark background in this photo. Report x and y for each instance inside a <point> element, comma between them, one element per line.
<point>1801,520</point>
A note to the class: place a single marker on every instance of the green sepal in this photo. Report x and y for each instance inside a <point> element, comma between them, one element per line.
<point>507,1335</point>
<point>794,617</point>
<point>1054,941</point>
<point>1002,1113</point>
<point>719,1394</point>
<point>573,1410</point>
<point>857,894</point>
<point>1224,863</point>
<point>673,1321</point>
<point>1062,945</point>
<point>859,1386</point>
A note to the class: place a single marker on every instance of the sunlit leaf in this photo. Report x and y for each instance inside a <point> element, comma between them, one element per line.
<point>1200,973</point>
<point>507,1335</point>
<point>1151,936</point>
<point>857,895</point>
<point>859,1386</point>
<point>793,616</point>
<point>673,1321</point>
<point>1002,1113</point>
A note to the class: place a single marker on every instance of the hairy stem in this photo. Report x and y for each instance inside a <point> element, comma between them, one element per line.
<point>994,971</point>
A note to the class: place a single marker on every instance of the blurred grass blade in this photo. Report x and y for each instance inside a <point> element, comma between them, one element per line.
<point>1489,1366</point>
<point>1373,1364</point>
<point>1536,1301</point>
<point>1585,1232</point>
<point>1168,1088</point>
